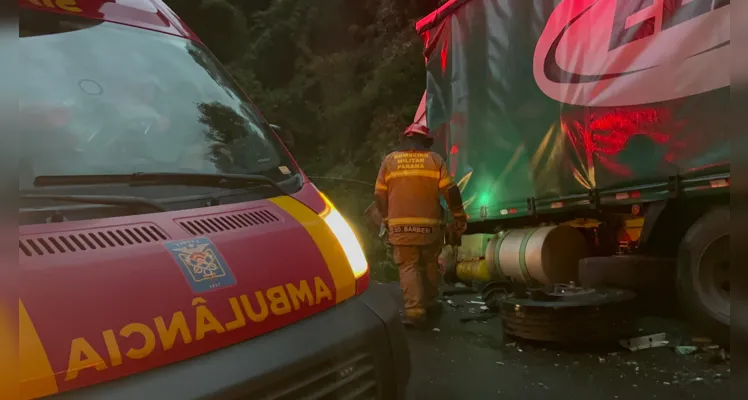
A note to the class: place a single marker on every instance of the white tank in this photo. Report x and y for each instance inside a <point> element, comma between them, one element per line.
<point>545,255</point>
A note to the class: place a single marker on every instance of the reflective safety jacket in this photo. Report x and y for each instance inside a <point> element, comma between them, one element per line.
<point>407,195</point>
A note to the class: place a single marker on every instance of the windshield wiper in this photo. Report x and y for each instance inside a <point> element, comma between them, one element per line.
<point>130,201</point>
<point>161,178</point>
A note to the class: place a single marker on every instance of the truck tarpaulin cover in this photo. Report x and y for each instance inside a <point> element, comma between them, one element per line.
<point>550,98</point>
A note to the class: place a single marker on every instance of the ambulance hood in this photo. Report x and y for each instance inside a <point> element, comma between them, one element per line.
<point>107,298</point>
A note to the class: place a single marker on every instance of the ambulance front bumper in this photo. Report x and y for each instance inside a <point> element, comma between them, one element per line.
<point>357,349</point>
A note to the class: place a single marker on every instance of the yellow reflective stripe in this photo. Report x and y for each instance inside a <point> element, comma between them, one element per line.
<point>327,243</point>
<point>446,182</point>
<point>37,377</point>
<point>414,221</point>
<point>380,187</point>
<point>422,173</point>
<point>8,352</point>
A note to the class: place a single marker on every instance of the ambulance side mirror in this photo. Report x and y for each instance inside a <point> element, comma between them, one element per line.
<point>285,136</point>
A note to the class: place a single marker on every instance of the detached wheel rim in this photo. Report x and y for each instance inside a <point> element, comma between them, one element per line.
<point>712,280</point>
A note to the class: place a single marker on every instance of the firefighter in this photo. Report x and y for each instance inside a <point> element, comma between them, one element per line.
<point>406,193</point>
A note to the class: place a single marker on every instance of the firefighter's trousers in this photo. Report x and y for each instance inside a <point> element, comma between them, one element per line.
<point>419,276</point>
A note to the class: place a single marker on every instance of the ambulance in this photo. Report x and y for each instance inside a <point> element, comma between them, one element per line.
<point>170,247</point>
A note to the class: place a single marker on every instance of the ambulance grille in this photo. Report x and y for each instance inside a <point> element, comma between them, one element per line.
<point>353,378</point>
<point>98,239</point>
<point>227,222</point>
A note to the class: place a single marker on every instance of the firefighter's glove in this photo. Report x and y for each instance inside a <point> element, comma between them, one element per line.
<point>455,231</point>
<point>383,230</point>
<point>458,226</point>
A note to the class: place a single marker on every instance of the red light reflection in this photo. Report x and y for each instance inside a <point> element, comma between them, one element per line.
<point>603,134</point>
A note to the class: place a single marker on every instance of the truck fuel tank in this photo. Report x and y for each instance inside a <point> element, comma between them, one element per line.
<point>535,256</point>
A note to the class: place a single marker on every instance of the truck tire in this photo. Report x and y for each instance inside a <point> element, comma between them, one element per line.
<point>703,272</point>
<point>650,277</point>
<point>607,318</point>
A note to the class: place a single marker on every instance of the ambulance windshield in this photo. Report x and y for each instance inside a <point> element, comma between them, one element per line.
<point>104,98</point>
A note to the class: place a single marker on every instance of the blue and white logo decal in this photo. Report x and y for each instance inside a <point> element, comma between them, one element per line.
<point>202,264</point>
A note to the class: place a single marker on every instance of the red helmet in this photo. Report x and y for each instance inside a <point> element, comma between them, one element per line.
<point>417,129</point>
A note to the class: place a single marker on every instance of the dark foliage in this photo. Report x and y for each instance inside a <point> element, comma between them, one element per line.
<point>344,76</point>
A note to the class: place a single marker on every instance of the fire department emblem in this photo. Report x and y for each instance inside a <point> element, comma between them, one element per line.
<point>202,264</point>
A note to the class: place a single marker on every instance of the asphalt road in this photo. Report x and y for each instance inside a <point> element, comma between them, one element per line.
<point>473,360</point>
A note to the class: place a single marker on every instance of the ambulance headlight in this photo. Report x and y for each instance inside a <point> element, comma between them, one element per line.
<point>346,237</point>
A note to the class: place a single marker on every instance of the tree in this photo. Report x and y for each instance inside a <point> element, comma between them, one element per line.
<point>219,24</point>
<point>345,76</point>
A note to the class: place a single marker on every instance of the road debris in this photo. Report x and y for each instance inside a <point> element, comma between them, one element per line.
<point>645,342</point>
<point>436,330</point>
<point>685,350</point>
<point>699,340</point>
<point>719,356</point>
<point>518,364</point>
<point>480,317</point>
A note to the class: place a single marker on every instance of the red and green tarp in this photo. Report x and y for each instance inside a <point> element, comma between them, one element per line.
<point>551,99</point>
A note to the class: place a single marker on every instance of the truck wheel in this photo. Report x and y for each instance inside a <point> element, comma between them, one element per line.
<point>703,274</point>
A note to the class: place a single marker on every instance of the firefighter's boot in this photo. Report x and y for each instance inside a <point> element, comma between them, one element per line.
<point>415,319</point>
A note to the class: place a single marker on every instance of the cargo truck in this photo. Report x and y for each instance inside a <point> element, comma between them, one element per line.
<point>590,142</point>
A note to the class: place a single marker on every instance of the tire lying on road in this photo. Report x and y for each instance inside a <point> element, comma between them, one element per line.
<point>603,315</point>
<point>703,271</point>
